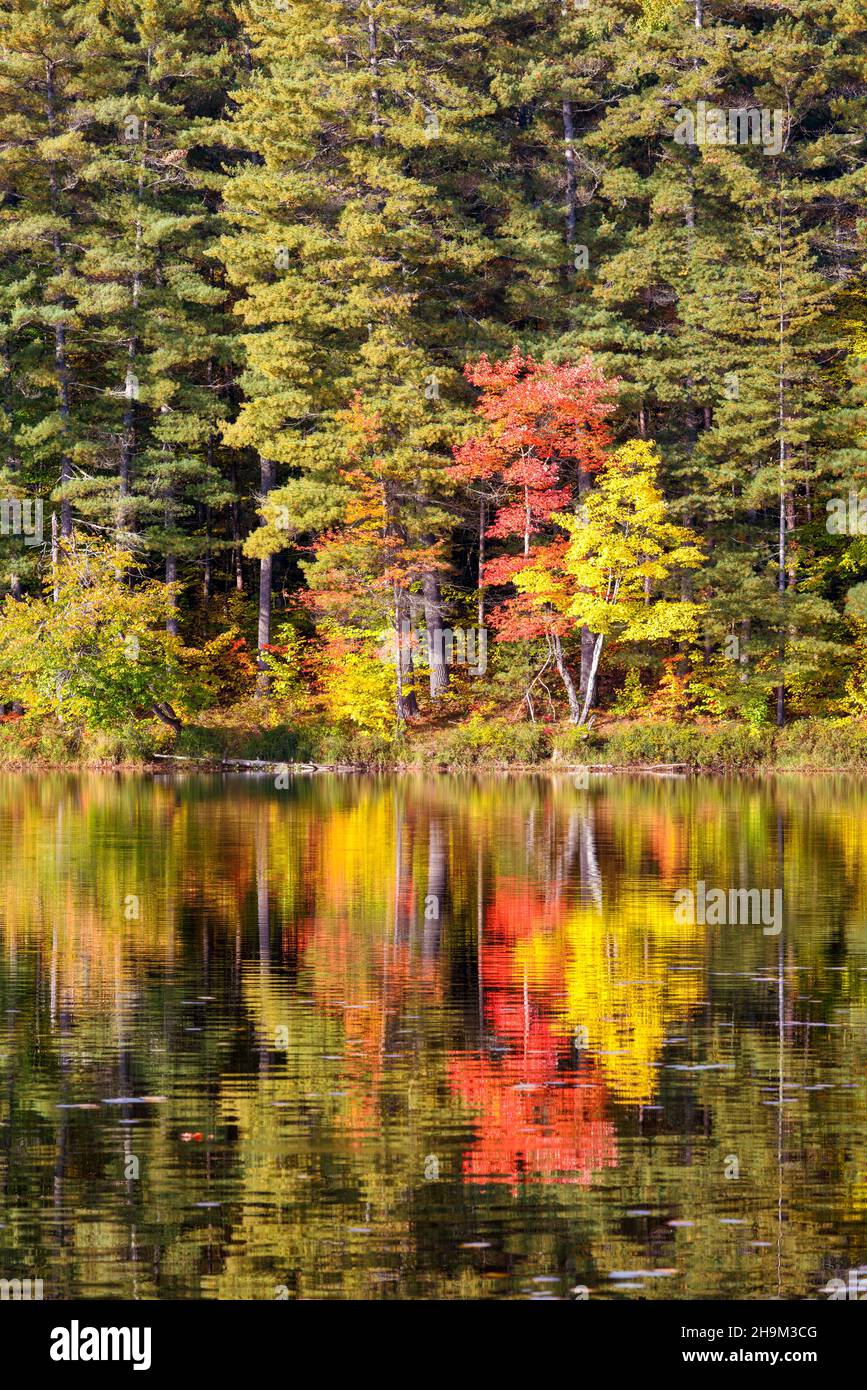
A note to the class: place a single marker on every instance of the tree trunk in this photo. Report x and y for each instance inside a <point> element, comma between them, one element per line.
<point>164,712</point>
<point>125,515</point>
<point>433,618</point>
<point>172,626</point>
<point>266,570</point>
<point>588,646</point>
<point>781,426</point>
<point>207,567</point>
<point>591,682</point>
<point>61,365</point>
<point>55,556</point>
<point>406,706</point>
<point>235,510</point>
<point>588,639</point>
<point>373,67</point>
<point>781,589</point>
<point>569,135</point>
<point>566,678</point>
<point>483,518</point>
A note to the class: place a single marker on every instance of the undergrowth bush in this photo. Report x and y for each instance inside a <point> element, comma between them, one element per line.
<point>729,746</point>
<point>493,742</point>
<point>304,742</point>
<point>814,743</point>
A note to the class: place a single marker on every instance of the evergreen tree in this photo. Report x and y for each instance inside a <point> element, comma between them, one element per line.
<point>377,247</point>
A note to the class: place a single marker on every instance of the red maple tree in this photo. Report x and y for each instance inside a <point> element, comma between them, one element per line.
<point>545,434</point>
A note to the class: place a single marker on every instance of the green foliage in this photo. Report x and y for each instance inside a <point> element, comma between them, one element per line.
<point>631,696</point>
<point>350,746</point>
<point>577,744</point>
<point>623,549</point>
<point>356,679</point>
<point>806,744</point>
<point>222,667</point>
<point>730,747</point>
<point>283,661</point>
<point>24,743</point>
<point>308,741</point>
<point>815,744</point>
<point>95,647</point>
<point>493,741</point>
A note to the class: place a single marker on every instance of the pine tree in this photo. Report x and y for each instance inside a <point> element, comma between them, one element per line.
<point>155,304</point>
<point>376,248</point>
<point>57,57</point>
<point>112,305</point>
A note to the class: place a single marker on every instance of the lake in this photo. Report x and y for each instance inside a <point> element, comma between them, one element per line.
<point>432,1037</point>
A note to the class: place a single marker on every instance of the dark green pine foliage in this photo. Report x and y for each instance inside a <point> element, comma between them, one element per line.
<point>57,58</point>
<point>711,267</point>
<point>156,303</point>
<point>384,191</point>
<point>383,236</point>
<point>115,333</point>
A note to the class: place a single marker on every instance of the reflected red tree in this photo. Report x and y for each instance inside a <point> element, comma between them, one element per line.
<point>540,1110</point>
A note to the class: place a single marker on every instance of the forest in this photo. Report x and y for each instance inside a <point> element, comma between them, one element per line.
<point>472,382</point>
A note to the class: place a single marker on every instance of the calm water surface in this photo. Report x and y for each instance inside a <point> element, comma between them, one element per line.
<point>430,1037</point>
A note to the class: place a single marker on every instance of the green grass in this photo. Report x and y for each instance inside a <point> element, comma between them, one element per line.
<point>807,744</point>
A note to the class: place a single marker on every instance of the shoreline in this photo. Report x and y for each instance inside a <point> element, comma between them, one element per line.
<point>163,764</point>
<point>655,748</point>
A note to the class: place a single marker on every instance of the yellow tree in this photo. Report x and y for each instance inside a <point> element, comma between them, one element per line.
<point>621,550</point>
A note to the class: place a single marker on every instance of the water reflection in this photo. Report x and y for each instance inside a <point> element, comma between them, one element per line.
<point>429,1038</point>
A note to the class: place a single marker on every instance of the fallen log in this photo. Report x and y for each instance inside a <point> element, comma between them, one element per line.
<point>259,764</point>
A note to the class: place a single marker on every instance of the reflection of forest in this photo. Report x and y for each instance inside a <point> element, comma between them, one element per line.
<point>330,986</point>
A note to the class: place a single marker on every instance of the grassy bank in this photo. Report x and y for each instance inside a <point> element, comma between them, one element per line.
<point>807,745</point>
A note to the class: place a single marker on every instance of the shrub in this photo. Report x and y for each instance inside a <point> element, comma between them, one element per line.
<point>631,696</point>
<point>334,744</point>
<point>304,742</point>
<point>26,741</point>
<point>136,741</point>
<point>193,741</point>
<point>728,746</point>
<point>493,742</point>
<point>577,745</point>
<point>815,743</point>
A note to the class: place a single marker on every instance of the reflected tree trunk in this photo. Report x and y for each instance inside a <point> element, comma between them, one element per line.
<point>591,877</point>
<point>437,867</point>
